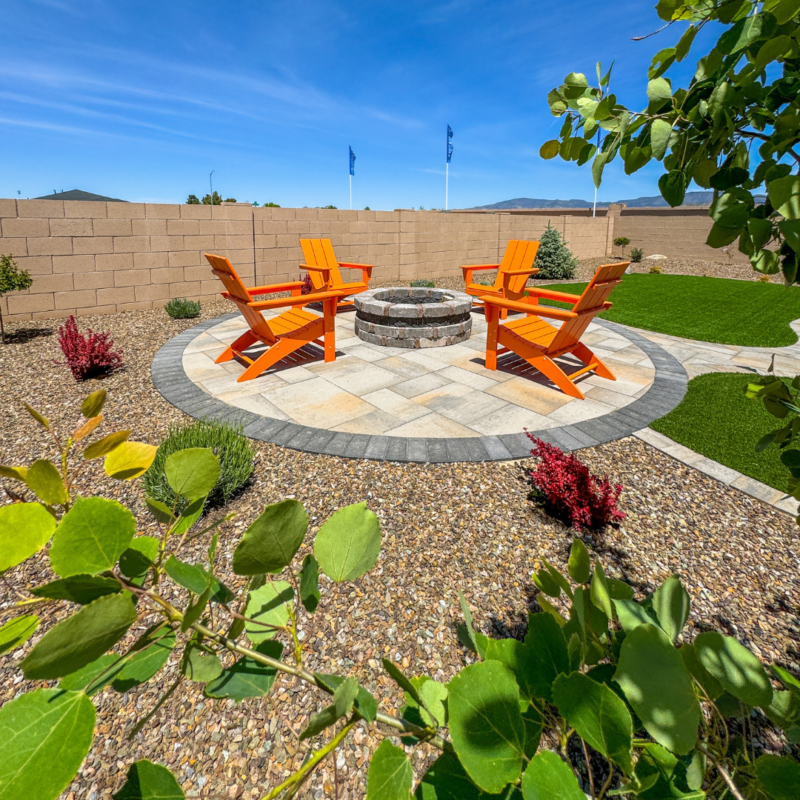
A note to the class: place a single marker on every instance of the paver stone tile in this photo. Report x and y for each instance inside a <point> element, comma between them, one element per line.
<point>434,426</point>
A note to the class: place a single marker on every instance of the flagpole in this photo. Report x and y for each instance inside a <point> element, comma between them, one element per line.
<point>446,184</point>
<point>351,192</point>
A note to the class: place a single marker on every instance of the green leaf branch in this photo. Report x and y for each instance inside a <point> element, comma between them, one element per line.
<point>734,129</point>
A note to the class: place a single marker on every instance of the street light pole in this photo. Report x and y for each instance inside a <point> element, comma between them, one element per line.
<point>211,187</point>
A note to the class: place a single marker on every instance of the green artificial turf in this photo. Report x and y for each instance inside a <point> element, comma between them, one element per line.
<point>708,309</point>
<point>718,421</point>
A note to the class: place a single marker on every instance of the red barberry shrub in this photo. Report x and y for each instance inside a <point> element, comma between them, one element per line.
<point>87,356</point>
<point>568,490</point>
<point>307,285</point>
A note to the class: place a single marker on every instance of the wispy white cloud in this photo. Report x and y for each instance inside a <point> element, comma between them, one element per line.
<point>117,118</point>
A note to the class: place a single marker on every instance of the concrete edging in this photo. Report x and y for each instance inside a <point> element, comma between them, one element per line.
<point>666,391</point>
<point>726,475</point>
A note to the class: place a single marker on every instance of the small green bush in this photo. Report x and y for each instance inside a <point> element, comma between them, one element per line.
<point>423,284</point>
<point>235,453</point>
<point>554,259</point>
<point>623,242</point>
<point>636,254</point>
<point>181,308</point>
<point>655,270</point>
<point>12,279</point>
<point>764,279</point>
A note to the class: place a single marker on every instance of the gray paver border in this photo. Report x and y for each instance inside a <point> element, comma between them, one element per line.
<point>666,391</point>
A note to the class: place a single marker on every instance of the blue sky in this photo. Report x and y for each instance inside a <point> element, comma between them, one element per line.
<point>141,100</point>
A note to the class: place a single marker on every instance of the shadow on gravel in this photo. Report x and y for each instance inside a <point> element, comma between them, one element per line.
<point>24,335</point>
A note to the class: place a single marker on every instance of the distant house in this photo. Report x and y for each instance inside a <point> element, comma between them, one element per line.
<point>77,194</point>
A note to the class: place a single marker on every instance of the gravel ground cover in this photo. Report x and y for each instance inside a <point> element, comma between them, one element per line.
<point>669,266</point>
<point>675,266</point>
<point>445,527</point>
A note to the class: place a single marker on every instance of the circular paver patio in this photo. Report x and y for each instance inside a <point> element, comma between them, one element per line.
<point>426,405</point>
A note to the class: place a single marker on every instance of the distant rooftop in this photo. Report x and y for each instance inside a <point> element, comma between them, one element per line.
<point>77,194</point>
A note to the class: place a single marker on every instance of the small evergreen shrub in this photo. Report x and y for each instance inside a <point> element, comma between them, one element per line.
<point>763,279</point>
<point>181,308</point>
<point>554,259</point>
<point>234,451</point>
<point>655,270</point>
<point>87,355</point>
<point>421,283</point>
<point>623,242</point>
<point>567,489</point>
<point>636,254</point>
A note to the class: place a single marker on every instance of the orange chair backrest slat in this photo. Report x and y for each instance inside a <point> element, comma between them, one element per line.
<point>332,264</point>
<point>522,259</point>
<point>505,264</point>
<point>223,269</point>
<point>589,304</point>
<point>319,253</point>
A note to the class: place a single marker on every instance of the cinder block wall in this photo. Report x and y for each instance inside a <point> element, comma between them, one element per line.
<point>97,258</point>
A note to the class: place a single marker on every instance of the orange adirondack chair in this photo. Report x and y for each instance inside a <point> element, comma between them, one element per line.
<point>539,343</point>
<point>283,334</point>
<point>512,273</point>
<point>323,267</point>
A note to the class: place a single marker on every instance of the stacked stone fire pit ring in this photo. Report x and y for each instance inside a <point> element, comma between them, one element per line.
<point>413,317</point>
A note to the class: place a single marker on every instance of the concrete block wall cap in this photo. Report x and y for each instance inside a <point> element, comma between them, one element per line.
<point>437,310</point>
<point>403,311</point>
<point>458,306</point>
<point>377,307</point>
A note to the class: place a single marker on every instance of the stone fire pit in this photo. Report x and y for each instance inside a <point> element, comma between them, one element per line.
<point>410,317</point>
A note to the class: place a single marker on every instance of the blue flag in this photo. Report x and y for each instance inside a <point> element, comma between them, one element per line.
<point>449,143</point>
<point>352,162</point>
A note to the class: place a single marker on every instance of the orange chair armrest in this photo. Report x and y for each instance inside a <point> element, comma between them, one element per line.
<point>522,272</point>
<point>479,267</point>
<point>347,264</point>
<point>315,269</point>
<point>528,308</point>
<point>276,287</point>
<point>300,300</point>
<point>366,269</point>
<point>549,294</point>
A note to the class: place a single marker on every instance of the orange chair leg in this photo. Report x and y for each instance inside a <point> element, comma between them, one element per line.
<point>582,352</point>
<point>491,336</point>
<point>242,343</point>
<point>551,370</point>
<point>329,327</point>
<point>541,362</point>
<point>278,351</point>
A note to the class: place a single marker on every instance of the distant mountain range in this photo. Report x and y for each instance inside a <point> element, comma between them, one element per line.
<point>691,199</point>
